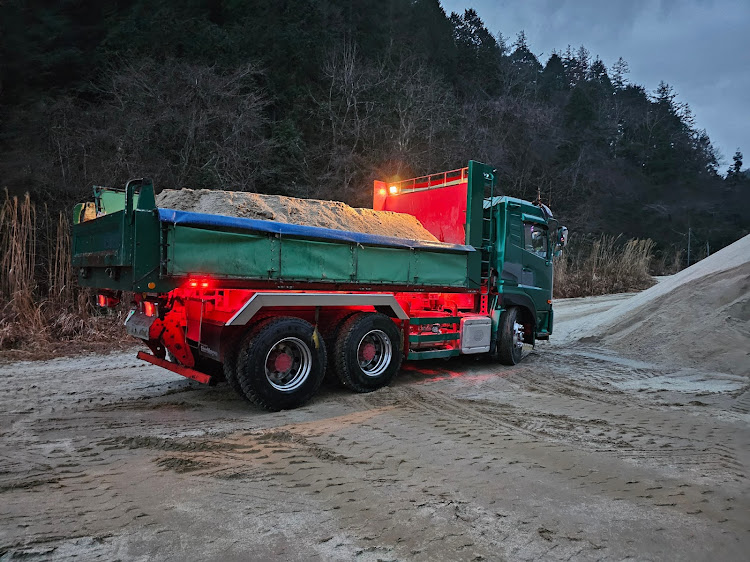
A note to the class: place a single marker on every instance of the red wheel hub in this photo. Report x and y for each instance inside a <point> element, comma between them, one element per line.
<point>283,362</point>
<point>368,351</point>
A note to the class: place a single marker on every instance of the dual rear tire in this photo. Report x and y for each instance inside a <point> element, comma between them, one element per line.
<point>280,363</point>
<point>367,352</point>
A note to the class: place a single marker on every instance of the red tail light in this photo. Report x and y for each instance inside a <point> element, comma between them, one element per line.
<point>107,301</point>
<point>199,283</point>
<point>149,309</point>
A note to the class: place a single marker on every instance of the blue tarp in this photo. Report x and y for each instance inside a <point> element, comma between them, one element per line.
<point>186,218</point>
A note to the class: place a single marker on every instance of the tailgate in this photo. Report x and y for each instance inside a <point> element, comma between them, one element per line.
<point>120,250</point>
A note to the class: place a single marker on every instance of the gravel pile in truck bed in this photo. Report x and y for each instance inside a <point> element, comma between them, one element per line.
<point>308,212</point>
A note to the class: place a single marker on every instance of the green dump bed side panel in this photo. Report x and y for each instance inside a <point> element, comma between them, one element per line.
<point>263,256</point>
<point>134,250</point>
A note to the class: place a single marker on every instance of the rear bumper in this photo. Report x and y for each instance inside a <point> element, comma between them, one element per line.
<point>179,369</point>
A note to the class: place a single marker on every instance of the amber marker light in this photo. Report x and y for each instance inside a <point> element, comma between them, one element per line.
<point>393,189</point>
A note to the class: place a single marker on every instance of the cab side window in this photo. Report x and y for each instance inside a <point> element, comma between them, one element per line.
<point>535,239</point>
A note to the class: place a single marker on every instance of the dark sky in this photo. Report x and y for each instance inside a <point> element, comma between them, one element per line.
<point>700,47</point>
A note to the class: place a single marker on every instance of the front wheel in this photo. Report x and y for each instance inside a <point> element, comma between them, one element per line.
<point>510,338</point>
<point>281,364</point>
<point>367,352</point>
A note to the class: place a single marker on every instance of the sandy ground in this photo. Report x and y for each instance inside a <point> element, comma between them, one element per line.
<point>576,453</point>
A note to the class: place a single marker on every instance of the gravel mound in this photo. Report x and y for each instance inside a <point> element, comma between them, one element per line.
<point>699,317</point>
<point>308,212</point>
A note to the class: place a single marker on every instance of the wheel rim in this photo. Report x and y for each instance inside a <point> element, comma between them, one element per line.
<point>288,364</point>
<point>374,353</point>
<point>517,336</point>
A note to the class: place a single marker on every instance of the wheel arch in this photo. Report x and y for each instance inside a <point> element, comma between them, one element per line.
<point>382,302</point>
<point>526,310</point>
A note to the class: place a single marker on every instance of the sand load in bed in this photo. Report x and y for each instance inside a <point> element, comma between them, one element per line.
<point>307,212</point>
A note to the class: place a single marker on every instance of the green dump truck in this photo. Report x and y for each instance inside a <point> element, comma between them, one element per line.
<point>271,307</point>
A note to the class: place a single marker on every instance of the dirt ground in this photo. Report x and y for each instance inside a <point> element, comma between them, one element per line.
<point>576,453</point>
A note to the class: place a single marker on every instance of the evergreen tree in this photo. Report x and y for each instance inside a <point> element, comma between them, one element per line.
<point>477,51</point>
<point>598,73</point>
<point>553,76</point>
<point>737,166</point>
<point>619,70</point>
<point>524,62</point>
<point>734,173</point>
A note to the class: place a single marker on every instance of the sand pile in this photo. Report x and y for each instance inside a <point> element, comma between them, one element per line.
<point>309,212</point>
<point>699,317</point>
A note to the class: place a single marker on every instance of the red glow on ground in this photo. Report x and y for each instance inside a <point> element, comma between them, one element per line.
<point>427,376</point>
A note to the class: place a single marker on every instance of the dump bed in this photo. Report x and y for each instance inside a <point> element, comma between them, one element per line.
<point>140,247</point>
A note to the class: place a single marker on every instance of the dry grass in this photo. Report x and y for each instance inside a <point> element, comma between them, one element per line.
<point>603,266</point>
<point>40,303</point>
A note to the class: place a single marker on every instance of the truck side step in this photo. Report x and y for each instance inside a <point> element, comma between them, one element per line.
<point>179,369</point>
<point>422,320</point>
<point>433,354</point>
<point>430,337</point>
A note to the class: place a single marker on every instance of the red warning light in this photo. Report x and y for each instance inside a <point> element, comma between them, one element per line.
<point>101,300</point>
<point>149,308</point>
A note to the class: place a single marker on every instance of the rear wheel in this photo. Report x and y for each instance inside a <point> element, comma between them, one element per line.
<point>510,338</point>
<point>330,331</point>
<point>230,369</point>
<point>231,352</point>
<point>281,364</point>
<point>367,352</point>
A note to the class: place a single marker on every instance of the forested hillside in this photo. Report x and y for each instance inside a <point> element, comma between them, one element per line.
<point>315,98</point>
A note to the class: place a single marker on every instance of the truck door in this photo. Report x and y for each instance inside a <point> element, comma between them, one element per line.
<point>537,268</point>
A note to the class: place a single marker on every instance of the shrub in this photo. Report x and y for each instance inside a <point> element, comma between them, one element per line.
<point>40,302</point>
<point>604,265</point>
